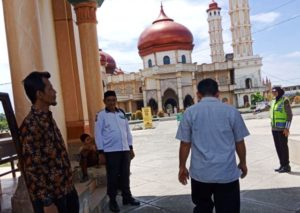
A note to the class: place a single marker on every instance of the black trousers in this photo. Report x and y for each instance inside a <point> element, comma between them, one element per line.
<point>66,204</point>
<point>226,197</point>
<point>118,171</point>
<point>282,149</point>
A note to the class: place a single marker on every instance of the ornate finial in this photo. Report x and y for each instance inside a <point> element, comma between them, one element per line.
<point>213,1</point>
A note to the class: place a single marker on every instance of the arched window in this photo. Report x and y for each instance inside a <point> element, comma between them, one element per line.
<point>149,63</point>
<point>183,59</point>
<point>248,83</point>
<point>166,60</point>
<point>215,13</point>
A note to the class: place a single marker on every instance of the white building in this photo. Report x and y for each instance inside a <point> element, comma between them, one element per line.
<point>169,78</point>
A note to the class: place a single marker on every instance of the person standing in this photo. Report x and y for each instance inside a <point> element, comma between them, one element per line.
<point>213,131</point>
<point>46,163</point>
<point>281,118</point>
<point>114,142</point>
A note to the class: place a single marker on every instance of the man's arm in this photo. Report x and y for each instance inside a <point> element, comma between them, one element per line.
<point>288,110</point>
<point>99,125</point>
<point>184,152</point>
<point>241,152</point>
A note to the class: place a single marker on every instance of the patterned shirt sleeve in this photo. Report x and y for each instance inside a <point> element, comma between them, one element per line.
<point>36,169</point>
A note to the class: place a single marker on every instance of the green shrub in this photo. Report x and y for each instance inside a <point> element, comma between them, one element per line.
<point>133,116</point>
<point>139,115</point>
<point>161,114</point>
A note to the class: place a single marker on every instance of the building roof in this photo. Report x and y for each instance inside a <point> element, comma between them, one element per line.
<point>108,62</point>
<point>163,35</point>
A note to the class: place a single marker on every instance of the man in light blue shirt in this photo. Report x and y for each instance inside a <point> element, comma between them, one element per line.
<point>213,131</point>
<point>114,142</point>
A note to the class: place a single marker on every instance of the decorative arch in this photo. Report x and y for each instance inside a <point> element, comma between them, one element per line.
<point>246,100</point>
<point>188,101</point>
<point>170,100</point>
<point>153,105</point>
<point>166,60</point>
<point>248,83</point>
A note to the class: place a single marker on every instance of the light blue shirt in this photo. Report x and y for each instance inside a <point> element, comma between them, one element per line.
<point>213,128</point>
<point>112,133</point>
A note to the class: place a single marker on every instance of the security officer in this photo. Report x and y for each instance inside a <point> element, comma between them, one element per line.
<point>281,117</point>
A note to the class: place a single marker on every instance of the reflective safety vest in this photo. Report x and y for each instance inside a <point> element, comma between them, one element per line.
<point>278,114</point>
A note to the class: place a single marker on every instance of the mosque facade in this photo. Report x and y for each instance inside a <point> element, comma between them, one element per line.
<point>168,80</point>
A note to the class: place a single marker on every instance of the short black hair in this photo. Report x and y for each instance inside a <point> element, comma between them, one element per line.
<point>109,93</point>
<point>83,137</point>
<point>208,87</point>
<point>33,83</point>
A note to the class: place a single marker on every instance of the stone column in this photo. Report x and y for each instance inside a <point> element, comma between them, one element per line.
<point>158,93</point>
<point>129,105</point>
<point>70,66</point>
<point>24,47</point>
<point>86,21</point>
<point>194,84</point>
<point>179,88</point>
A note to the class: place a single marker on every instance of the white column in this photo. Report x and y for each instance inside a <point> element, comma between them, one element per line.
<point>179,89</point>
<point>158,94</point>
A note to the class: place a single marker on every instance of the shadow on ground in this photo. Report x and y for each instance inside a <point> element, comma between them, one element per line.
<point>281,200</point>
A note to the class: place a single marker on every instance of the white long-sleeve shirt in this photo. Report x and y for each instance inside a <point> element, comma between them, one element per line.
<point>112,133</point>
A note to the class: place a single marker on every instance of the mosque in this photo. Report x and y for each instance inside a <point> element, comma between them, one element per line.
<point>61,37</point>
<point>169,76</point>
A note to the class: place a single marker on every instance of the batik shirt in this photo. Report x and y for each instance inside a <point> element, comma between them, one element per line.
<point>46,163</point>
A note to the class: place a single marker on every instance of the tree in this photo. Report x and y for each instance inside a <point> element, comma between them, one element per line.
<point>3,123</point>
<point>257,97</point>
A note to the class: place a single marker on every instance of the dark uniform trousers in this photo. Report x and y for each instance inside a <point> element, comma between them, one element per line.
<point>118,171</point>
<point>226,197</point>
<point>282,149</point>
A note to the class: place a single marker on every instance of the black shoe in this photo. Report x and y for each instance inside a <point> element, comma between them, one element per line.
<point>285,169</point>
<point>277,170</point>
<point>131,201</point>
<point>113,206</point>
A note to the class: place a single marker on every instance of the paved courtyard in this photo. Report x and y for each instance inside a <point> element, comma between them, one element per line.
<point>154,172</point>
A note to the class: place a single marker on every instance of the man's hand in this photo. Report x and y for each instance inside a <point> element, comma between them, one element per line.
<point>286,132</point>
<point>102,159</point>
<point>244,169</point>
<point>183,175</point>
<point>50,209</point>
<point>132,155</point>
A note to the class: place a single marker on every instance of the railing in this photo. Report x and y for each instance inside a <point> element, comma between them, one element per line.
<point>8,154</point>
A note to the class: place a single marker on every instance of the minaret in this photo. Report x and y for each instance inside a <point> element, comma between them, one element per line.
<point>240,28</point>
<point>215,32</point>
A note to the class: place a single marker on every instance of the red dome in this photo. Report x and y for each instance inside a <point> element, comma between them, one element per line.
<point>164,34</point>
<point>107,61</point>
<point>213,6</point>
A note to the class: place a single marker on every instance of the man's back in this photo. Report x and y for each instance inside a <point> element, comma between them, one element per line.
<point>214,129</point>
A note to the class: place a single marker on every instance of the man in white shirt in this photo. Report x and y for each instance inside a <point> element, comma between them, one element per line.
<point>114,142</point>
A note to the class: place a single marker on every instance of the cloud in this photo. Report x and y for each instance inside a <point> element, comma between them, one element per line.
<point>265,18</point>
<point>120,23</point>
<point>295,54</point>
<point>282,69</point>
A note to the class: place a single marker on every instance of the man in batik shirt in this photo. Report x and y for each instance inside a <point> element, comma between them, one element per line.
<point>46,164</point>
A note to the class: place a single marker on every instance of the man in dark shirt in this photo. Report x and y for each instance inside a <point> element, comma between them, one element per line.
<point>46,164</point>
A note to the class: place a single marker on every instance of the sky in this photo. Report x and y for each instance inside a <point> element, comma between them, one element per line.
<point>275,32</point>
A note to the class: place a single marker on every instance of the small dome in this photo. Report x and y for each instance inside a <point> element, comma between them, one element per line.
<point>164,34</point>
<point>108,62</point>
<point>213,6</point>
